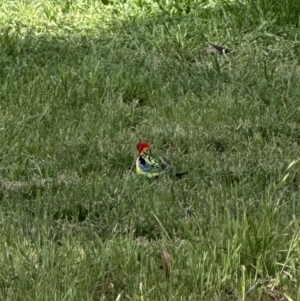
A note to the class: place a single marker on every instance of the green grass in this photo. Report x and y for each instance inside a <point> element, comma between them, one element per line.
<point>82,82</point>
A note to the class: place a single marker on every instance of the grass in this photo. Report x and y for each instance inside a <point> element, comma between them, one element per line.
<point>81,82</point>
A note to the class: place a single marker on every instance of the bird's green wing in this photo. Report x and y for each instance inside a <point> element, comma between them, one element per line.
<point>151,164</point>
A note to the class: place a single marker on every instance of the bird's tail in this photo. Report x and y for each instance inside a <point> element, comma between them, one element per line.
<point>180,174</point>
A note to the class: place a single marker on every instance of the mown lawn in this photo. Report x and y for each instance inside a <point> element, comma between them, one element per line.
<point>81,83</point>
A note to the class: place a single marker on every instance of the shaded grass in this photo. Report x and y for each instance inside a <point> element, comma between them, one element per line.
<point>79,88</point>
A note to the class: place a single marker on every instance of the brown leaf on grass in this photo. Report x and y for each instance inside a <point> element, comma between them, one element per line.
<point>166,257</point>
<point>213,48</point>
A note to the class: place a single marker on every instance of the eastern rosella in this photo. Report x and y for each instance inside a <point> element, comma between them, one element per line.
<point>150,166</point>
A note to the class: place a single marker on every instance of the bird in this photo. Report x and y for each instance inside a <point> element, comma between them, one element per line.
<point>152,166</point>
<point>213,48</point>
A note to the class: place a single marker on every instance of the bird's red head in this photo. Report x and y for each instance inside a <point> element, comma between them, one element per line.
<point>141,146</point>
